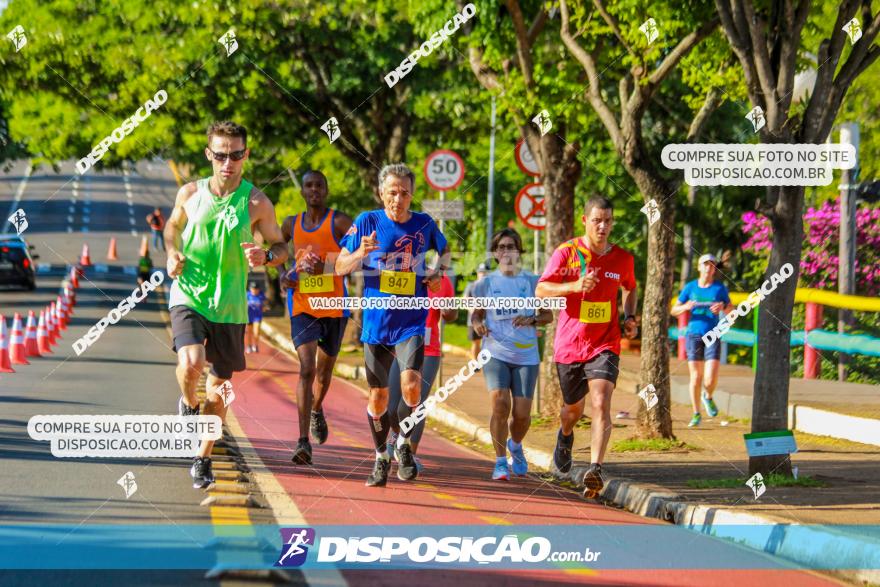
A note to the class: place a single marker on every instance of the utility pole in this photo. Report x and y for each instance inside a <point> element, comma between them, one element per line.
<point>846,284</point>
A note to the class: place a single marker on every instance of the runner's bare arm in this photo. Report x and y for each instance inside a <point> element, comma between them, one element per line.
<point>349,261</point>
<point>263,220</point>
<point>174,227</point>
<point>681,308</point>
<point>432,279</point>
<point>478,321</point>
<point>549,289</point>
<point>341,223</point>
<point>630,299</point>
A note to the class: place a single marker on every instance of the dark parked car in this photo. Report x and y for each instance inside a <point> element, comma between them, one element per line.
<point>16,262</point>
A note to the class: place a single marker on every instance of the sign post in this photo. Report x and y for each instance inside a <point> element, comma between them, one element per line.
<point>529,206</point>
<point>444,171</point>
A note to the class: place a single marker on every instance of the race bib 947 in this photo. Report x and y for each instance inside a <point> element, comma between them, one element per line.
<point>402,283</point>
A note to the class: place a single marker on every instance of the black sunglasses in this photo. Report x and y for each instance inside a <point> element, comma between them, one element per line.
<point>235,155</point>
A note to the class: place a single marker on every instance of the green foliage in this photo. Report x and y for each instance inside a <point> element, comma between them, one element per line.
<point>651,445</point>
<point>774,480</point>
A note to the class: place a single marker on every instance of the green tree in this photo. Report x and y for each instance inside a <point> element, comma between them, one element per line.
<point>769,41</point>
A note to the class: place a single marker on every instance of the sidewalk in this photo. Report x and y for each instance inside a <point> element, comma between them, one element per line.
<point>662,483</point>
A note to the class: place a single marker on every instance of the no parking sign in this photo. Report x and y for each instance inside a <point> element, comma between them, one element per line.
<point>529,205</point>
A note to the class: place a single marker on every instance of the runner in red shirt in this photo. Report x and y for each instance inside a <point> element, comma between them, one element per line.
<point>588,271</point>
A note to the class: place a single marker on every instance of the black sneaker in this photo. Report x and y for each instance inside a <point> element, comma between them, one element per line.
<point>303,453</point>
<point>318,427</point>
<point>201,472</point>
<point>406,463</point>
<point>379,476</point>
<point>185,410</point>
<point>593,481</point>
<point>562,453</point>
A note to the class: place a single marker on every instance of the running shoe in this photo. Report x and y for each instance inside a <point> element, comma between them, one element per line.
<point>593,481</point>
<point>562,453</point>
<point>201,472</point>
<point>520,465</point>
<point>695,421</point>
<point>303,453</point>
<point>318,427</point>
<point>185,410</point>
<point>406,465</point>
<point>379,476</point>
<point>501,471</point>
<point>709,405</point>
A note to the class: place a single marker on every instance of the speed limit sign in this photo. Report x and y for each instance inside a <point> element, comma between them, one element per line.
<point>444,170</point>
<point>525,160</point>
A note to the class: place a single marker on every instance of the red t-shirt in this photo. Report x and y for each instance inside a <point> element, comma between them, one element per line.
<point>432,324</point>
<point>589,323</point>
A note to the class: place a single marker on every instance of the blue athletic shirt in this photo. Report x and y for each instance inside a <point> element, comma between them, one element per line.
<point>402,249</point>
<point>702,320</point>
<point>513,344</point>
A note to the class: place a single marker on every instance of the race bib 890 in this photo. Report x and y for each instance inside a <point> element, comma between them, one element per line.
<point>316,283</point>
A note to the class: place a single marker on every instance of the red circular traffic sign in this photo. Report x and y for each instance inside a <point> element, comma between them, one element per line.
<point>525,160</point>
<point>529,205</point>
<point>444,170</point>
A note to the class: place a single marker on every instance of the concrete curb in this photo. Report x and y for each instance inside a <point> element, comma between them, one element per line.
<point>654,501</point>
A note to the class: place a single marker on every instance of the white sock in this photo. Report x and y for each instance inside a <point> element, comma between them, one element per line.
<point>382,455</point>
<point>401,440</point>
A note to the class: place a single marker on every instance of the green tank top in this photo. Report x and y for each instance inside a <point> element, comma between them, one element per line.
<point>214,278</point>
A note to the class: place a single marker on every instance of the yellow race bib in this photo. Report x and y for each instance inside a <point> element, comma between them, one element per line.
<point>595,312</point>
<point>311,284</point>
<point>402,283</point>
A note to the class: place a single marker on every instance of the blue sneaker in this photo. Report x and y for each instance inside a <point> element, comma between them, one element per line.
<point>709,405</point>
<point>520,465</point>
<point>501,472</point>
<point>695,421</point>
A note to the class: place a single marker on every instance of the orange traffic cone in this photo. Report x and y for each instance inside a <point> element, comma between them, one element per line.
<point>74,277</point>
<point>68,307</point>
<point>111,252</point>
<point>30,336</point>
<point>61,312</point>
<point>145,247</point>
<point>5,364</point>
<point>43,335</point>
<point>84,259</point>
<point>51,328</point>
<point>17,353</point>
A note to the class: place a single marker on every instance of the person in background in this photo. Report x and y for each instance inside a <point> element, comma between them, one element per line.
<point>256,302</point>
<point>706,299</point>
<point>476,339</point>
<point>145,267</point>
<point>157,225</point>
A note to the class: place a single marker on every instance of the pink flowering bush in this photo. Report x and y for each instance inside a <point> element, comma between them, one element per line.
<point>819,257</point>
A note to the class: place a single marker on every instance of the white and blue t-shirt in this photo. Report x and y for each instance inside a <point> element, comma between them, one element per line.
<point>702,319</point>
<point>396,268</point>
<point>506,342</point>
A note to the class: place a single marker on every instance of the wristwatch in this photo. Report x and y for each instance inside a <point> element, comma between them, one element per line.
<point>269,257</point>
<point>627,317</point>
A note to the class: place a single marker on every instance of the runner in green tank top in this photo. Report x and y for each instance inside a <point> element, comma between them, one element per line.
<point>209,239</point>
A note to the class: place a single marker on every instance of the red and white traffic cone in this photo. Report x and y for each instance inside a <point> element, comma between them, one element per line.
<point>51,328</point>
<point>84,259</point>
<point>5,363</point>
<point>60,308</point>
<point>17,352</point>
<point>30,336</point>
<point>43,335</point>
<point>74,277</point>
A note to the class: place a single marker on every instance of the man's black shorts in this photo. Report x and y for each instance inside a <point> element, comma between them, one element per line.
<point>410,354</point>
<point>574,378</point>
<point>328,331</point>
<point>224,343</point>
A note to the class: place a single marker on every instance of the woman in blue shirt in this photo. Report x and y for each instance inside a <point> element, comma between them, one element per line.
<point>706,299</point>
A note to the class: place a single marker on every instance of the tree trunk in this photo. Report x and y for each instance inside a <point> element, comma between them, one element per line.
<point>561,172</point>
<point>770,403</point>
<point>654,367</point>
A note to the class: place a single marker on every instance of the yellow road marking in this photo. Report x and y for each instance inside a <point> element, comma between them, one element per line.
<point>496,521</point>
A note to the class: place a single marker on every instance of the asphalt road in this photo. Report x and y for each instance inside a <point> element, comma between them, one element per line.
<point>130,370</point>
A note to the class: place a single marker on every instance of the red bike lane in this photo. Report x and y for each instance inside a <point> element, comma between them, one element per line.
<point>454,489</point>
